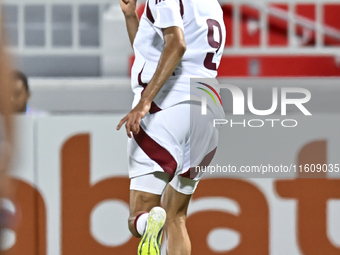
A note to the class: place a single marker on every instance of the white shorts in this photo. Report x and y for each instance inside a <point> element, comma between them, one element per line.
<point>155,183</point>
<point>171,141</point>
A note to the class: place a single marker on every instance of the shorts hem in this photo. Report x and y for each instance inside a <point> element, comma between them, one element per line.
<point>181,191</point>
<point>147,190</point>
<point>178,181</point>
<point>131,176</point>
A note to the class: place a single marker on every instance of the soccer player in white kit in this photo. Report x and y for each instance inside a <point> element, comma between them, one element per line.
<point>175,40</point>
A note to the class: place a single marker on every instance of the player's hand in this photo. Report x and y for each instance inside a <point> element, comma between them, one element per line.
<point>128,7</point>
<point>134,117</point>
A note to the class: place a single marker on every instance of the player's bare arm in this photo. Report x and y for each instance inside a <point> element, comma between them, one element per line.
<point>6,144</point>
<point>131,18</point>
<point>172,54</point>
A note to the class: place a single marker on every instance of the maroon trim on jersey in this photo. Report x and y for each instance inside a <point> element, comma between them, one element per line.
<point>149,14</point>
<point>181,7</point>
<point>154,108</point>
<point>191,173</point>
<point>156,152</point>
<point>140,78</point>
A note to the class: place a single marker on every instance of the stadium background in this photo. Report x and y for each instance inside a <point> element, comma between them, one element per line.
<point>70,168</point>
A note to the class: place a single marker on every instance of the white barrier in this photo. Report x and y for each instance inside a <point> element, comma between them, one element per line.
<point>115,96</point>
<point>72,191</point>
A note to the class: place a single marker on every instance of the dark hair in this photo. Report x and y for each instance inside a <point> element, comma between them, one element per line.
<point>22,77</point>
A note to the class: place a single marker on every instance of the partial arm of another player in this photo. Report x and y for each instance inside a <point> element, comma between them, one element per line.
<point>5,97</point>
<point>172,54</point>
<point>6,142</point>
<point>131,18</point>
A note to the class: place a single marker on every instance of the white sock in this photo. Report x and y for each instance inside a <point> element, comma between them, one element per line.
<point>141,223</point>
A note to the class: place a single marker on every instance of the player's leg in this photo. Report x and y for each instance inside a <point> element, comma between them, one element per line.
<point>176,200</point>
<point>199,151</point>
<point>140,203</point>
<point>146,217</point>
<point>145,194</point>
<point>167,132</point>
<point>176,206</point>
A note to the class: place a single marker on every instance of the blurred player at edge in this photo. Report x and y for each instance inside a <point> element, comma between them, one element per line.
<point>6,142</point>
<point>174,41</point>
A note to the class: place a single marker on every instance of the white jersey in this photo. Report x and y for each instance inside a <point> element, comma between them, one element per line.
<point>204,33</point>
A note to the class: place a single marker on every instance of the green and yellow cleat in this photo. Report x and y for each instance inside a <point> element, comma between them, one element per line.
<point>150,243</point>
